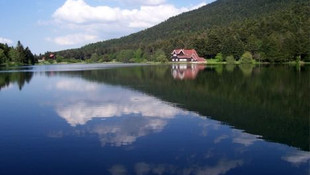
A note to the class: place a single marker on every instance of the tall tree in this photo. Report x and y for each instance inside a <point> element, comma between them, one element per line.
<point>20,53</point>
<point>3,57</point>
<point>29,57</point>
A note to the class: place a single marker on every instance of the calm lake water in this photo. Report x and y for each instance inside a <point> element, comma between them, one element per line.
<point>154,119</point>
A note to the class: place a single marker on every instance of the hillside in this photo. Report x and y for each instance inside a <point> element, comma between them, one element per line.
<point>272,30</point>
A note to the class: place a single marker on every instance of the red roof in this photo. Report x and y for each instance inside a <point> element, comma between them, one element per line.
<point>187,53</point>
<point>51,55</point>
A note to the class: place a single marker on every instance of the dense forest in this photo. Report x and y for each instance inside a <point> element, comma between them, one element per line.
<point>270,30</point>
<point>16,55</point>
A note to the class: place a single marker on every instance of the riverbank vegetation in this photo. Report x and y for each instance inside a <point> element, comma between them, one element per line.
<point>14,56</point>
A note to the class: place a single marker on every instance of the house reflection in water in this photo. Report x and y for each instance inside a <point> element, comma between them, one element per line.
<point>186,71</point>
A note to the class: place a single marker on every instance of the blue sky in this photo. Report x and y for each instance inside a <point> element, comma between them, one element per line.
<point>51,25</point>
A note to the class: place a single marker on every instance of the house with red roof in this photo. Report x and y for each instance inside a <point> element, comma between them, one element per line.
<point>52,56</point>
<point>186,55</point>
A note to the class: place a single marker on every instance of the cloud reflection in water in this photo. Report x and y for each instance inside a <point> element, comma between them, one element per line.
<point>127,130</point>
<point>222,167</point>
<point>78,110</point>
<point>137,114</point>
<point>298,157</point>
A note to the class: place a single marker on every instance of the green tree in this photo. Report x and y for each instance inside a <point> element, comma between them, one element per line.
<point>214,44</point>
<point>5,48</point>
<point>3,57</point>
<point>219,57</point>
<point>125,56</point>
<point>298,40</point>
<point>160,56</point>
<point>273,47</point>
<point>29,57</point>
<point>94,58</point>
<point>59,58</point>
<point>138,55</point>
<point>254,45</point>
<point>246,58</point>
<point>230,59</point>
<point>13,55</point>
<point>200,44</point>
<point>20,54</point>
<point>232,45</point>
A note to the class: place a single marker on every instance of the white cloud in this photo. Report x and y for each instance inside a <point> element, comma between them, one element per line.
<point>148,16</point>
<point>144,2</point>
<point>198,6</point>
<point>5,40</point>
<point>79,12</point>
<point>98,22</point>
<point>74,39</point>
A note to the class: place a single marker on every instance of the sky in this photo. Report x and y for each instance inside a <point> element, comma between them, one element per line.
<point>52,25</point>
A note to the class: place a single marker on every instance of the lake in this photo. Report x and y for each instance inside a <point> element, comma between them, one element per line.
<point>155,119</point>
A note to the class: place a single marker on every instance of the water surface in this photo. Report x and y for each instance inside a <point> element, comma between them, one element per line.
<point>163,119</point>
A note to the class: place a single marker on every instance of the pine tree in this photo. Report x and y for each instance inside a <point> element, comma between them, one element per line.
<point>3,57</point>
<point>29,57</point>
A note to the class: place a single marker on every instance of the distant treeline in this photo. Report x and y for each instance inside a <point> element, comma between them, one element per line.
<point>16,55</point>
<point>271,30</point>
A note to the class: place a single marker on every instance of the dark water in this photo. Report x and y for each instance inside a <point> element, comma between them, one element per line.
<point>142,119</point>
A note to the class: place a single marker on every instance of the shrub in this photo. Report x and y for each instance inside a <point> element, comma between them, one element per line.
<point>50,61</point>
<point>219,57</point>
<point>94,58</point>
<point>246,58</point>
<point>230,60</point>
<point>72,60</point>
<point>125,55</point>
<point>160,56</point>
<point>59,59</point>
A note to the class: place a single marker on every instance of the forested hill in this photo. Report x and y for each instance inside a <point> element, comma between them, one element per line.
<point>272,30</point>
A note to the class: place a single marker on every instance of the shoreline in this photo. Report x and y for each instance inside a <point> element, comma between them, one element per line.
<point>208,62</point>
